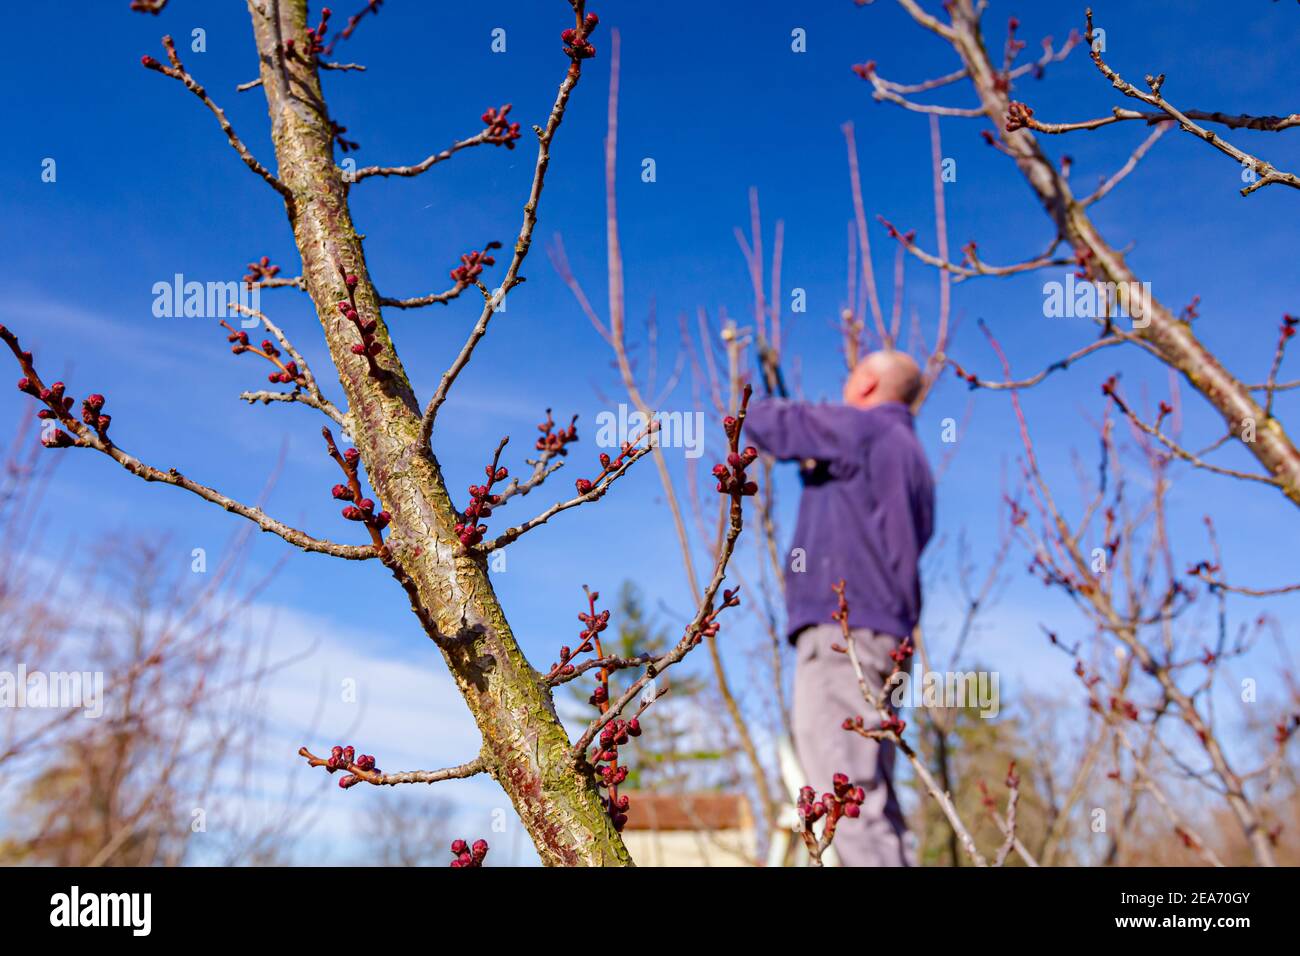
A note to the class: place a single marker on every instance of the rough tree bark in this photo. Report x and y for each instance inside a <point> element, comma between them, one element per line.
<point>525,747</point>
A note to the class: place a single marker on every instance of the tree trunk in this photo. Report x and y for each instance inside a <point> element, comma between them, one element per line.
<point>525,747</point>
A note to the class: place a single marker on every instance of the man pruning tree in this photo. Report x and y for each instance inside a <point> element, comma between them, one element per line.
<point>866,513</point>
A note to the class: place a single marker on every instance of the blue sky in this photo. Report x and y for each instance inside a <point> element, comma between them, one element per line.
<point>146,188</point>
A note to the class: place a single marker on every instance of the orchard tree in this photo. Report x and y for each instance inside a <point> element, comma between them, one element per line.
<point>436,548</point>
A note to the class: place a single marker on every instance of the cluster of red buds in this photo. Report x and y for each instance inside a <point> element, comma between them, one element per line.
<point>1124,707</point>
<point>1089,680</point>
<point>593,623</point>
<point>260,271</point>
<point>1192,310</point>
<point>148,6</point>
<point>576,44</point>
<point>1019,116</point>
<point>710,626</point>
<point>290,373</point>
<point>970,378</point>
<point>845,800</point>
<point>1013,48</point>
<point>176,69</point>
<point>361,508</point>
<point>369,346</point>
<point>553,442</point>
<point>346,758</point>
<point>733,482</point>
<point>890,724</point>
<point>372,6</point>
<point>316,35</point>
<point>481,502</point>
<point>612,735</point>
<point>615,733</point>
<point>1083,256</point>
<point>609,466</point>
<point>902,653</point>
<point>58,404</point>
<point>286,372</point>
<point>1288,327</point>
<point>467,855</point>
<point>1012,782</point>
<point>906,238</point>
<point>1018,515</point>
<point>471,265</point>
<point>865,70</point>
<point>92,413</point>
<point>1285,728</point>
<point>500,130</point>
<point>345,145</point>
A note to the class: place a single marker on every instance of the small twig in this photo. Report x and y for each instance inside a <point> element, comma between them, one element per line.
<point>377,778</point>
<point>500,137</point>
<point>1129,166</point>
<point>177,71</point>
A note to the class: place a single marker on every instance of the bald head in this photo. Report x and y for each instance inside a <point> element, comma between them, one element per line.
<point>884,376</point>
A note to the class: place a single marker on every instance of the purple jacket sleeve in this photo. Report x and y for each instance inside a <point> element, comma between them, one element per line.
<point>792,431</point>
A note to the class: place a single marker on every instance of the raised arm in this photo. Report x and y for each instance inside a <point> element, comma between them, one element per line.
<point>794,431</point>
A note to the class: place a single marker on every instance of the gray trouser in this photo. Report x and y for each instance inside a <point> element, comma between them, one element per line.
<point>825,692</point>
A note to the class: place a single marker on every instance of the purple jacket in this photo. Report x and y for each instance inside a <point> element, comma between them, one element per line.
<point>866,512</point>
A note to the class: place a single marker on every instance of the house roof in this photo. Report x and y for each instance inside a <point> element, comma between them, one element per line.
<point>687,811</point>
